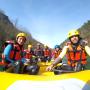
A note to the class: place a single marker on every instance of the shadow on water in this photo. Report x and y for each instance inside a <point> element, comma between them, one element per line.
<point>86,86</point>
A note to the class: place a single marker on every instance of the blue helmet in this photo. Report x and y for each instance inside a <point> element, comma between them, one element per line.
<point>57,46</point>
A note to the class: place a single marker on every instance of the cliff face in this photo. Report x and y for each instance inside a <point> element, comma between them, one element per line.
<point>8,31</point>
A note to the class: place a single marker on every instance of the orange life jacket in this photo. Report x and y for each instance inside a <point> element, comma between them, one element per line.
<point>28,54</point>
<point>16,52</point>
<point>56,53</point>
<point>47,52</point>
<point>76,55</point>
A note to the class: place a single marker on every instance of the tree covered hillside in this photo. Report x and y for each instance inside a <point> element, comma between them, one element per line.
<point>8,31</point>
<point>84,31</point>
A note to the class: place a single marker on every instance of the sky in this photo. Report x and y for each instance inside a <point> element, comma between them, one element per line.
<point>47,20</point>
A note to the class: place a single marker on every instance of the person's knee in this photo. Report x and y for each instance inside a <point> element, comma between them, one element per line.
<point>18,67</point>
<point>33,69</point>
<point>56,70</point>
<point>78,67</point>
<point>67,67</point>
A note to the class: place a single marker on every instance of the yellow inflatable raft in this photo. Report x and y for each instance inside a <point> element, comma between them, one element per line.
<point>45,81</point>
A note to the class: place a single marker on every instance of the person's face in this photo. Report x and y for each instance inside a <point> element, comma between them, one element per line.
<point>29,48</point>
<point>38,46</point>
<point>21,40</point>
<point>74,39</point>
<point>57,49</point>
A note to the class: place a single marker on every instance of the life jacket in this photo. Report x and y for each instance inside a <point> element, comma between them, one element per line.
<point>76,54</point>
<point>56,53</point>
<point>16,52</point>
<point>28,54</point>
<point>47,52</point>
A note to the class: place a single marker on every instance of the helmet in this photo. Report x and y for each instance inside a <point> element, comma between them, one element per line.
<point>72,33</point>
<point>29,45</point>
<point>57,46</point>
<point>21,35</point>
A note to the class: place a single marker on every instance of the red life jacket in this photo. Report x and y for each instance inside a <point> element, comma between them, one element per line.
<point>28,54</point>
<point>16,52</point>
<point>76,55</point>
<point>47,52</point>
